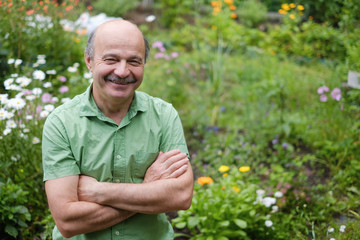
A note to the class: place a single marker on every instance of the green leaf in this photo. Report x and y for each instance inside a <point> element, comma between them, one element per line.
<point>180,225</point>
<point>240,223</point>
<point>222,238</point>
<point>11,230</point>
<point>193,221</point>
<point>224,223</point>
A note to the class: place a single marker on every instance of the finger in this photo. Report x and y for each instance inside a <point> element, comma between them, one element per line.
<point>177,165</point>
<point>180,171</point>
<point>176,158</point>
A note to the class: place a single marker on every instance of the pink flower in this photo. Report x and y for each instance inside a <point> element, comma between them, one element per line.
<point>158,44</point>
<point>174,54</point>
<point>323,98</point>
<point>322,89</point>
<point>62,79</point>
<point>336,94</point>
<point>159,55</point>
<point>38,109</point>
<point>46,98</point>
<point>63,89</point>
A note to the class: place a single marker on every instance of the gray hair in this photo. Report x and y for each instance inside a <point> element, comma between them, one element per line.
<point>89,50</point>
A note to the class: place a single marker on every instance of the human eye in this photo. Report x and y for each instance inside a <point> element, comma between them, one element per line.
<point>135,62</point>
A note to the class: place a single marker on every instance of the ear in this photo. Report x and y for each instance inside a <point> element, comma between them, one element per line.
<point>88,62</point>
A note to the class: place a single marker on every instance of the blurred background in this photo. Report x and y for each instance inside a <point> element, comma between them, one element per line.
<point>268,93</point>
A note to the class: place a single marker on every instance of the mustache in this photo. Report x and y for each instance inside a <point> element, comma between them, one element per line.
<point>119,80</point>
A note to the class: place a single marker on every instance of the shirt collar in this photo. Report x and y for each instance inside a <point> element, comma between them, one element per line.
<point>89,108</point>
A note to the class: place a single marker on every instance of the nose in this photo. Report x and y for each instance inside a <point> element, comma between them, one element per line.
<point>122,69</point>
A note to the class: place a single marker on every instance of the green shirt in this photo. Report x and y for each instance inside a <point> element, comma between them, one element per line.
<point>79,139</point>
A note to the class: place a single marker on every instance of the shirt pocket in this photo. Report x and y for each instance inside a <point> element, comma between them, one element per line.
<point>143,161</point>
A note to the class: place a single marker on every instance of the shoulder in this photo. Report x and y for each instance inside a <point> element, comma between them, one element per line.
<point>68,109</point>
<point>154,103</point>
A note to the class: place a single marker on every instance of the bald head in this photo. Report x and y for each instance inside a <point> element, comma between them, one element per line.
<point>125,28</point>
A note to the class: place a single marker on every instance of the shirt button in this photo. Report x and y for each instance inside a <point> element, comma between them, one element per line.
<point>117,233</point>
<point>118,156</point>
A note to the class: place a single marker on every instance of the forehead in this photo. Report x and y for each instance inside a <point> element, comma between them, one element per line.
<point>119,37</point>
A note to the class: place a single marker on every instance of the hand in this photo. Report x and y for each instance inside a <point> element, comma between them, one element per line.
<point>171,164</point>
<point>87,188</point>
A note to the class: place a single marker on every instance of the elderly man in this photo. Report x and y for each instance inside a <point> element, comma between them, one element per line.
<point>115,159</point>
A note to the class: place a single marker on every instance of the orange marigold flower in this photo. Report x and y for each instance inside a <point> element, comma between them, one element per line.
<point>29,12</point>
<point>292,16</point>
<point>216,9</point>
<point>204,180</point>
<point>282,11</point>
<point>225,174</point>
<point>216,4</point>
<point>229,2</point>
<point>233,15</point>
<point>244,169</point>
<point>68,8</point>
<point>292,5</point>
<point>232,7</point>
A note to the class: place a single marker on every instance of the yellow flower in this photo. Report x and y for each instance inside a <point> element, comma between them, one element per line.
<point>236,189</point>
<point>223,168</point>
<point>285,6</point>
<point>300,7</point>
<point>292,5</point>
<point>204,180</point>
<point>292,16</point>
<point>225,174</point>
<point>229,2</point>
<point>244,169</point>
<point>282,11</point>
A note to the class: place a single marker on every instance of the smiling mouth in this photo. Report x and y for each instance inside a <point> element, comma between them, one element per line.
<point>120,81</point>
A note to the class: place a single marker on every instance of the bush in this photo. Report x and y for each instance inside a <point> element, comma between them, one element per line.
<point>252,12</point>
<point>13,212</point>
<point>113,8</point>
<point>230,208</point>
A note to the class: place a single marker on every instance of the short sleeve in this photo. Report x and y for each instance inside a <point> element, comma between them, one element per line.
<point>173,133</point>
<point>57,158</point>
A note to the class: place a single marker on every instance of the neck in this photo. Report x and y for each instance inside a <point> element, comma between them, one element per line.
<point>116,109</point>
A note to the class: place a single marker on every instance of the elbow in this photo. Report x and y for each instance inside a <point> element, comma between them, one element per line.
<point>185,200</point>
<point>66,230</point>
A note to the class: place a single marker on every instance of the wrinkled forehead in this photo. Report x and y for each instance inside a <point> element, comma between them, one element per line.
<point>119,33</point>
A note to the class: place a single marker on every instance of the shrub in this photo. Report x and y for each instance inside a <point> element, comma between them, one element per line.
<point>13,212</point>
<point>115,8</point>
<point>229,207</point>
<point>252,12</point>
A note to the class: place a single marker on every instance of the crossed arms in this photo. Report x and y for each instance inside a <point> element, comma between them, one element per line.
<point>80,204</point>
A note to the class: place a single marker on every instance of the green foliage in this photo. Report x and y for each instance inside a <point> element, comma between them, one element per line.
<point>114,8</point>
<point>13,212</point>
<point>252,12</point>
<point>232,210</point>
<point>32,29</point>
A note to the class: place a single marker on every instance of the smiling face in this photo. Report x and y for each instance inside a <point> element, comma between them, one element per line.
<point>118,62</point>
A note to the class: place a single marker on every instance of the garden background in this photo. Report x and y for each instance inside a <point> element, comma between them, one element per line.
<point>271,120</point>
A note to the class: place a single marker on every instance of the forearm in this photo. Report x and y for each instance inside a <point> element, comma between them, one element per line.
<point>73,217</point>
<point>84,217</point>
<point>159,196</point>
